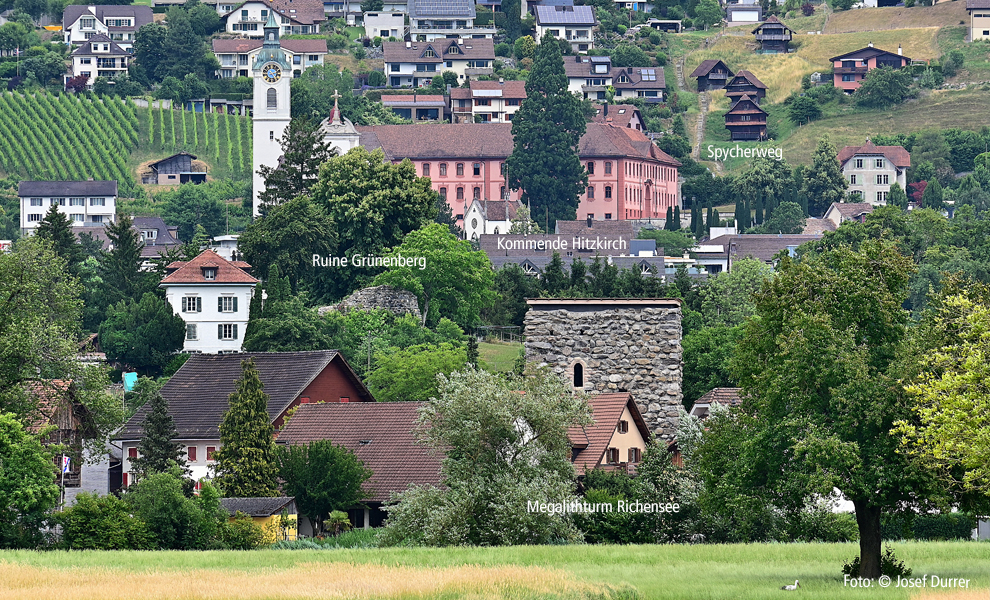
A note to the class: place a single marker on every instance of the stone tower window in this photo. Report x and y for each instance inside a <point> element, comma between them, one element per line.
<point>272,99</point>
<point>578,375</point>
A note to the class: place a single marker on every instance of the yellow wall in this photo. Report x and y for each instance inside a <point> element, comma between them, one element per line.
<point>980,22</point>
<point>625,441</point>
<point>271,526</point>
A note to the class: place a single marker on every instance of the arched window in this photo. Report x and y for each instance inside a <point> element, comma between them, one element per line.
<point>578,375</point>
<point>272,99</point>
<point>271,37</point>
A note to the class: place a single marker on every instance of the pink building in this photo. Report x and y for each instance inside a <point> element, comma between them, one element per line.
<point>850,69</point>
<point>628,176</point>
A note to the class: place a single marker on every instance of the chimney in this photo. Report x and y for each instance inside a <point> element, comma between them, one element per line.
<point>460,41</point>
<point>408,44</point>
<point>605,108</point>
<point>870,45</point>
<point>900,51</point>
<point>501,80</point>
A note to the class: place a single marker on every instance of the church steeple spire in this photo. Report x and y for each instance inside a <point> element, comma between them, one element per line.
<point>271,32</point>
<point>271,50</point>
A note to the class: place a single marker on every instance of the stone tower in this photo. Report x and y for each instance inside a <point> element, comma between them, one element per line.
<point>613,345</point>
<point>272,74</point>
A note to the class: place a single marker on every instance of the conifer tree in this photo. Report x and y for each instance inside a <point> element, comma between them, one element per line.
<point>898,197</point>
<point>747,214</point>
<point>694,216</point>
<point>546,131</point>
<point>157,450</point>
<point>933,196</point>
<point>668,224</point>
<point>55,227</point>
<point>554,277</point>
<point>472,350</point>
<point>759,210</point>
<point>823,181</point>
<point>304,150</point>
<point>716,220</point>
<point>677,219</point>
<point>739,214</point>
<point>709,221</point>
<point>246,461</point>
<point>120,268</point>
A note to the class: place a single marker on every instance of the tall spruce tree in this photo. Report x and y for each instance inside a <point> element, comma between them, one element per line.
<point>716,220</point>
<point>55,227</point>
<point>739,214</point>
<point>747,214</point>
<point>157,450</point>
<point>694,215</point>
<point>758,218</point>
<point>303,151</point>
<point>120,268</point>
<point>932,196</point>
<point>668,224</point>
<point>247,465</point>
<point>711,216</point>
<point>823,181</point>
<point>677,219</point>
<point>546,131</point>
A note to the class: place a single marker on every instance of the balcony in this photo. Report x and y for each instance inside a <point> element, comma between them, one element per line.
<point>772,37</point>
<point>717,76</point>
<point>474,71</point>
<point>850,70</point>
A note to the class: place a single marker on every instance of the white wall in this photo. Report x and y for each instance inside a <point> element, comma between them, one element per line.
<point>207,321</point>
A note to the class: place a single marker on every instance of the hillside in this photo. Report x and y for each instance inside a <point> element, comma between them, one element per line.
<point>943,14</point>
<point>47,136</point>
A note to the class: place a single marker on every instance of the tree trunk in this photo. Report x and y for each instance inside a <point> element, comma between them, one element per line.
<point>868,519</point>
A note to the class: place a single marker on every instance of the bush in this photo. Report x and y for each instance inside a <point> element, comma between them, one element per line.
<point>889,566</point>
<point>818,523</point>
<point>948,526</point>
<point>503,49</point>
<point>807,9</point>
<point>376,79</point>
<point>621,29</point>
<point>359,52</point>
<point>655,38</point>
<point>175,521</point>
<point>243,533</point>
<point>377,41</point>
<point>337,41</point>
<point>103,523</point>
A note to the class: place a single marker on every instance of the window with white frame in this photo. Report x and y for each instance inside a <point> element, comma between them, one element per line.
<point>97,201</point>
<point>191,333</point>
<point>881,197</point>
<point>33,218</point>
<point>883,179</point>
<point>852,180</point>
<point>859,163</point>
<point>192,304</point>
<point>96,218</point>
<point>77,218</point>
<point>77,202</point>
<point>36,202</point>
<point>878,163</point>
<point>227,331</point>
<point>227,304</point>
<point>58,201</point>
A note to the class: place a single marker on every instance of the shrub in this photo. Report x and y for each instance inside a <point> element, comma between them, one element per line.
<point>807,9</point>
<point>655,38</point>
<point>243,533</point>
<point>376,79</point>
<point>621,29</point>
<point>103,523</point>
<point>889,566</point>
<point>908,3</point>
<point>948,526</point>
<point>503,49</point>
<point>377,41</point>
<point>359,52</point>
<point>175,521</point>
<point>337,41</point>
<point>817,523</point>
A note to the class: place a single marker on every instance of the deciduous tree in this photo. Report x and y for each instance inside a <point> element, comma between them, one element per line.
<point>322,477</point>
<point>27,484</point>
<point>823,181</point>
<point>410,374</point>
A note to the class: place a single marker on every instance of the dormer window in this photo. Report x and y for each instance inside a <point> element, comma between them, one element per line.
<point>623,79</point>
<point>453,49</point>
<point>429,53</point>
<point>209,273</point>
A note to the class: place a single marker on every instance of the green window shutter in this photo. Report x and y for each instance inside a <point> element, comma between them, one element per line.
<point>235,330</point>
<point>219,332</point>
<point>235,303</point>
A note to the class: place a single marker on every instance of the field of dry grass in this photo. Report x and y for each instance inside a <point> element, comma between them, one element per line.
<point>943,14</point>
<point>782,73</point>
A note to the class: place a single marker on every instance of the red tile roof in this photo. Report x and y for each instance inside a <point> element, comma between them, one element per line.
<point>724,396</point>
<point>510,89</point>
<point>244,46</point>
<point>897,155</point>
<point>53,404</point>
<point>601,140</point>
<point>606,411</point>
<point>618,114</point>
<point>192,271</point>
<point>382,436</point>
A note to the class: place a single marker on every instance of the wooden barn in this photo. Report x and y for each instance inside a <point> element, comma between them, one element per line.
<point>745,84</point>
<point>712,74</point>
<point>773,36</point>
<point>174,170</point>
<point>746,121</point>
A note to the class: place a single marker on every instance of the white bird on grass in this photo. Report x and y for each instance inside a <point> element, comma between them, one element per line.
<point>791,588</point>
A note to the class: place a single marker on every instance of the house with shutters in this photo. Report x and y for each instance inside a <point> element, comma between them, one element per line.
<point>119,23</point>
<point>871,170</point>
<point>198,393</point>
<point>415,64</point>
<point>237,55</point>
<point>294,16</point>
<point>746,121</point>
<point>745,83</point>
<point>615,440</point>
<point>773,36</point>
<point>849,70</point>
<point>99,56</point>
<point>212,295</point>
<point>487,101</point>
<point>712,74</point>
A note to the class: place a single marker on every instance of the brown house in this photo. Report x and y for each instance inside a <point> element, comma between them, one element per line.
<point>712,75</point>
<point>773,36</point>
<point>745,84</point>
<point>616,439</point>
<point>382,436</point>
<point>746,120</point>
<point>56,407</point>
<point>198,396</point>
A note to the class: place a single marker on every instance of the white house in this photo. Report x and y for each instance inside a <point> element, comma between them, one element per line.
<point>589,76</point>
<point>489,217</point>
<point>118,22</point>
<point>431,20</point>
<point>294,17</point>
<point>212,295</point>
<point>226,246</point>
<point>384,24</point>
<point>99,57</point>
<point>575,24</point>
<point>237,55</point>
<point>871,170</point>
<point>487,101</point>
<point>85,203</point>
<point>417,63</point>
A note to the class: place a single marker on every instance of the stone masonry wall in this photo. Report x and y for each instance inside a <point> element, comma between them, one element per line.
<point>400,302</point>
<point>622,348</point>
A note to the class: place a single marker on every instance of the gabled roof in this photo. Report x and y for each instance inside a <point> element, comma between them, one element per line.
<point>611,227</point>
<point>508,89</point>
<point>867,53</point>
<point>583,66</point>
<point>763,247</point>
<point>816,226</point>
<point>381,434</point>
<point>245,46</point>
<point>496,210</point>
<point>604,140</point>
<point>425,9</point>
<point>724,396</point>
<point>259,507</point>
<point>744,77</point>
<point>470,49</point>
<point>745,105</point>
<point>185,272</point>
<point>618,114</point>
<point>168,158</point>
<point>639,78</point>
<point>850,210</point>
<point>54,404</point>
<point>86,49</point>
<point>198,394</point>
<point>67,188</point>
<point>897,155</point>
<point>142,15</point>
<point>304,12</point>
<point>772,20</point>
<point>565,15</point>
<point>589,442</point>
<point>706,66</point>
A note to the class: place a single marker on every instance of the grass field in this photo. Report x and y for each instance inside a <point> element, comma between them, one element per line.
<point>943,14</point>
<point>745,572</point>
<point>499,356</point>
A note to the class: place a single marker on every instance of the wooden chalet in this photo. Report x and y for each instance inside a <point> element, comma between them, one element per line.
<point>174,170</point>
<point>773,36</point>
<point>745,84</point>
<point>66,423</point>
<point>712,75</point>
<point>746,121</point>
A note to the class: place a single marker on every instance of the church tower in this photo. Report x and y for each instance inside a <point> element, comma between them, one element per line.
<point>272,74</point>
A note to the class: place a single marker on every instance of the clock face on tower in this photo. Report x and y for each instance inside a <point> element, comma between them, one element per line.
<point>271,72</point>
